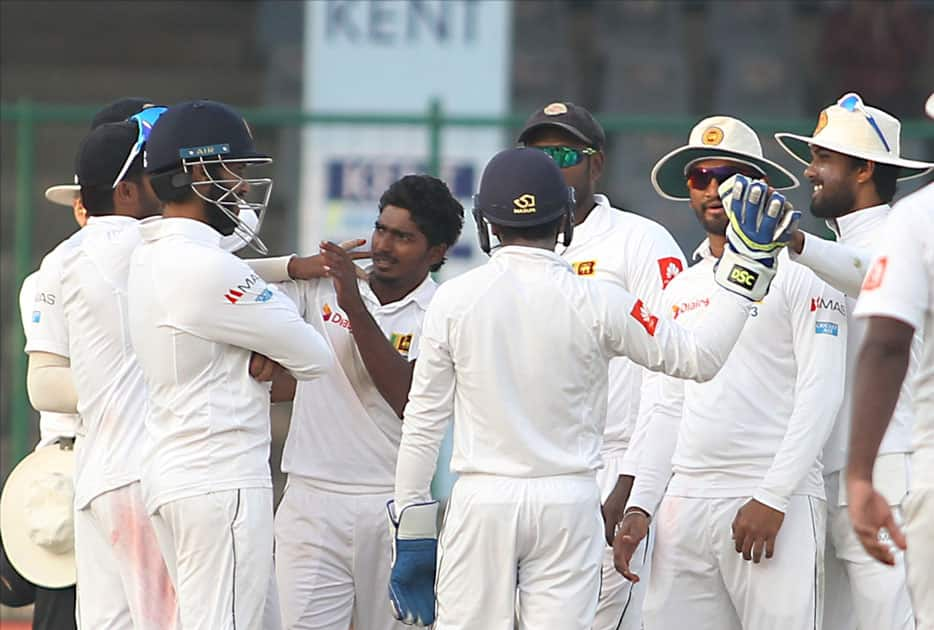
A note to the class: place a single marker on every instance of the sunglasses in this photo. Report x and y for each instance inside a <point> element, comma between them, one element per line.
<point>145,121</point>
<point>566,157</point>
<point>853,103</point>
<point>699,177</point>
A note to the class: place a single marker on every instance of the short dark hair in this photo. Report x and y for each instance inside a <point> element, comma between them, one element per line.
<point>99,200</point>
<point>438,215</point>
<point>532,232</point>
<point>885,177</point>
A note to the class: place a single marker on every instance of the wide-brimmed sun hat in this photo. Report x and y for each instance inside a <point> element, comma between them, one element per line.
<point>717,137</point>
<point>853,128</point>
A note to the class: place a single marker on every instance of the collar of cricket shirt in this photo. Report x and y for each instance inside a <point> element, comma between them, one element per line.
<point>855,223</point>
<point>421,295</point>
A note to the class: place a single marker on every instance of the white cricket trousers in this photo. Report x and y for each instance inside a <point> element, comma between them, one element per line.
<point>122,579</point>
<point>861,593</point>
<point>620,604</point>
<point>700,582</point>
<point>333,557</point>
<point>218,548</point>
<point>919,528</point>
<point>531,547</point>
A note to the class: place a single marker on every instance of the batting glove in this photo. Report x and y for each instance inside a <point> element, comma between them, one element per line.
<point>414,554</point>
<point>761,224</point>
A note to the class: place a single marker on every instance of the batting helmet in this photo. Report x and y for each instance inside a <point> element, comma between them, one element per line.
<point>522,188</point>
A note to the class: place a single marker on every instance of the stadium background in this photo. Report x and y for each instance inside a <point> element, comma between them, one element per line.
<point>650,68</point>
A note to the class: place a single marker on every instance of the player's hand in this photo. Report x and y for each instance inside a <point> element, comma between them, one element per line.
<point>870,514</point>
<point>615,505</point>
<point>339,266</point>
<point>762,220</point>
<point>311,267</point>
<point>796,242</point>
<point>755,529</point>
<point>262,368</point>
<point>632,530</point>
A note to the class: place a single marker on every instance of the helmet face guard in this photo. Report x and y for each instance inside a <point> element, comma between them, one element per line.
<point>230,193</point>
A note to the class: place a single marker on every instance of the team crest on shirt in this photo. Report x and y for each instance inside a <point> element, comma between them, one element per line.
<point>585,267</point>
<point>401,342</point>
<point>876,273</point>
<point>644,317</point>
<point>669,267</point>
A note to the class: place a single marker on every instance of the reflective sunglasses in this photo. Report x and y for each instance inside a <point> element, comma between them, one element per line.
<point>145,121</point>
<point>566,157</point>
<point>699,177</point>
<point>853,103</point>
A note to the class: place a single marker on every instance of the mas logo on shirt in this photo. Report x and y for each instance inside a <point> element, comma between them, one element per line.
<point>644,317</point>
<point>827,328</point>
<point>821,303</point>
<point>585,267</point>
<point>876,274</point>
<point>669,268</point>
<point>401,342</point>
<point>684,307</point>
<point>236,293</point>
<point>333,317</point>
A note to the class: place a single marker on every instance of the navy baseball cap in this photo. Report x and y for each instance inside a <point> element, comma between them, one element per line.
<point>102,153</point>
<point>199,129</point>
<point>521,188</point>
<point>574,119</point>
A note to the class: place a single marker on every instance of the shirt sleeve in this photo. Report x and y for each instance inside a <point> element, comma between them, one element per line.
<point>892,287</point>
<point>819,329</point>
<point>228,302</point>
<point>45,326</point>
<point>661,345</point>
<point>428,411</point>
<point>841,266</point>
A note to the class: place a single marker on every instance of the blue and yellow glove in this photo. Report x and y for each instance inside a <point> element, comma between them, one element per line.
<point>761,225</point>
<point>414,556</point>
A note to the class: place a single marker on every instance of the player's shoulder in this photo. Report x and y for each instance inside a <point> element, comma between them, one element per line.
<point>629,225</point>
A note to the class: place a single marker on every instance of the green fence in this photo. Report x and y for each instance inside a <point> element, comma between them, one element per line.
<point>26,116</point>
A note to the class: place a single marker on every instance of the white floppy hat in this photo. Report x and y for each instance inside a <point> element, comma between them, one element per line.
<point>717,137</point>
<point>37,516</point>
<point>63,194</point>
<point>929,105</point>
<point>855,129</point>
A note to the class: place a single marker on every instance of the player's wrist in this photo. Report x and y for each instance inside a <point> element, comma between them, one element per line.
<point>635,510</point>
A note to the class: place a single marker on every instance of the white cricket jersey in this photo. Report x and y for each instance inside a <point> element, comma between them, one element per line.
<point>757,429</point>
<point>900,285</point>
<point>518,349</point>
<point>52,425</point>
<point>344,436</point>
<point>641,256</point>
<point>196,314</point>
<point>842,265</point>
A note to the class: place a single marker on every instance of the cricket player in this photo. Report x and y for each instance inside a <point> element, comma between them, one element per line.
<point>897,300</point>
<point>79,362</point>
<point>741,525</point>
<point>640,256</point>
<point>518,352</point>
<point>332,544</point>
<point>197,315</point>
<point>853,163</point>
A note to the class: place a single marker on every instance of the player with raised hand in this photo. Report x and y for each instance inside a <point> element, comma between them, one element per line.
<point>523,525</point>
<point>640,256</point>
<point>197,315</point>
<point>853,162</point>
<point>743,447</point>
<point>332,544</point>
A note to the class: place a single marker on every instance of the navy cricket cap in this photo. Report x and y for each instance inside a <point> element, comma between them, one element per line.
<point>120,110</point>
<point>103,152</point>
<point>574,119</point>
<point>199,129</point>
<point>521,188</point>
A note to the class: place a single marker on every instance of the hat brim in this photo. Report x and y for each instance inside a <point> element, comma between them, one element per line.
<point>64,194</point>
<point>35,563</point>
<point>799,147</point>
<point>559,125</point>
<point>670,182</point>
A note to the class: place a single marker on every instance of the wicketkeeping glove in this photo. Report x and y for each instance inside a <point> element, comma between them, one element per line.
<point>414,554</point>
<point>761,224</point>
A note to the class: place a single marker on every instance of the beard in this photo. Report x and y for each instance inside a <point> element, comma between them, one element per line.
<point>829,204</point>
<point>218,220</point>
<point>715,224</point>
